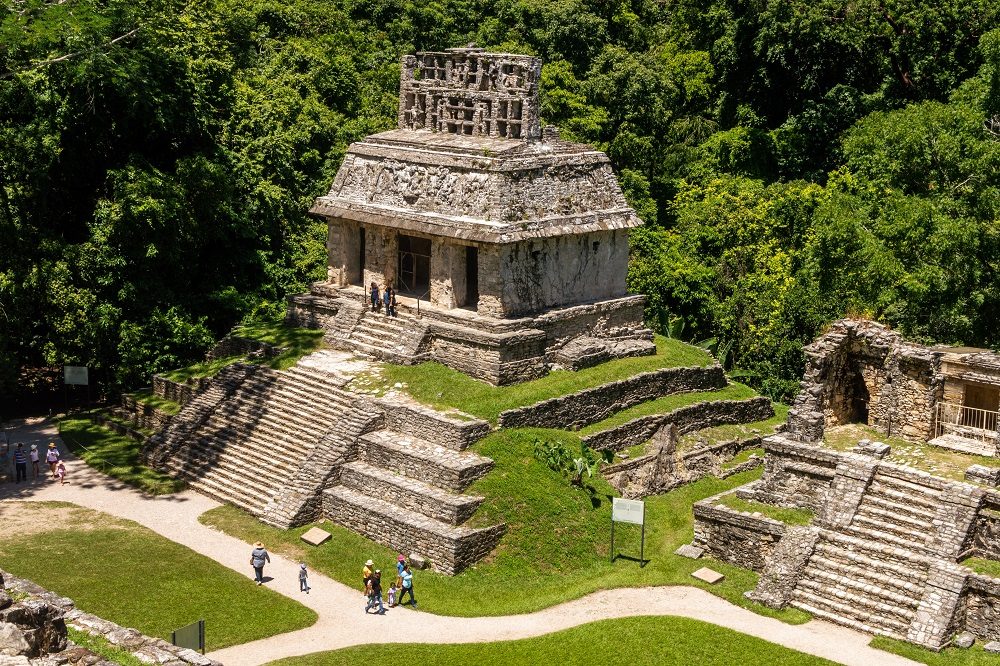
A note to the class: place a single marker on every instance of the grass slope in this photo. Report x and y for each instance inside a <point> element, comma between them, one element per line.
<point>114,455</point>
<point>637,641</point>
<point>556,545</point>
<point>974,656</point>
<point>130,575</point>
<point>439,386</point>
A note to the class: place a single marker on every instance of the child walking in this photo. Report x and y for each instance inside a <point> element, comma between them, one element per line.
<point>61,472</point>
<point>303,579</point>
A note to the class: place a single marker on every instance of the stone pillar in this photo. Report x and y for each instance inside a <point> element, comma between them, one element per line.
<point>442,260</point>
<point>490,283</point>
<point>381,256</point>
<point>336,270</point>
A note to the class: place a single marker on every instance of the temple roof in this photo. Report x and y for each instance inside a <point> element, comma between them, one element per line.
<point>457,167</point>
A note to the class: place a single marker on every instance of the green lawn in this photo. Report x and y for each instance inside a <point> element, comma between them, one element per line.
<point>439,386</point>
<point>128,574</point>
<point>147,397</point>
<point>783,514</point>
<point>637,641</point>
<point>974,656</point>
<point>114,455</point>
<point>556,545</point>
<point>983,566</point>
<point>299,341</point>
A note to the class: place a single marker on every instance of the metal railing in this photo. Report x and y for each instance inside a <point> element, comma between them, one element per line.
<point>423,295</point>
<point>968,422</point>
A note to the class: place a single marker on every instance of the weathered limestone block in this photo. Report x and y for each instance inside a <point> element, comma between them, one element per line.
<point>784,568</point>
<point>878,450</point>
<point>736,537</point>
<point>989,476</point>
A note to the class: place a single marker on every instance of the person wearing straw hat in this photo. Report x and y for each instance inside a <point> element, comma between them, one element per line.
<point>257,559</point>
<point>52,458</point>
<point>366,575</point>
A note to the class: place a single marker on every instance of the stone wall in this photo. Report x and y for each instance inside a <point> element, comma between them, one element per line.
<point>449,552</point>
<point>981,605</point>
<point>687,419</point>
<point>39,620</point>
<point>234,345</point>
<point>402,414</point>
<point>177,391</point>
<point>737,537</point>
<point>796,476</point>
<point>861,371</point>
<point>142,414</point>
<point>589,406</point>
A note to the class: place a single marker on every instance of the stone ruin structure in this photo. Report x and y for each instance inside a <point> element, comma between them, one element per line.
<point>863,372</point>
<point>507,246</point>
<point>883,551</point>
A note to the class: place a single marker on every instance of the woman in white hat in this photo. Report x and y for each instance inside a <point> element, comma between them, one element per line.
<point>52,458</point>
<point>366,575</point>
<point>33,457</point>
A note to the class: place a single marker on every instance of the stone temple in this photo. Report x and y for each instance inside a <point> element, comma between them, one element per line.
<point>507,246</point>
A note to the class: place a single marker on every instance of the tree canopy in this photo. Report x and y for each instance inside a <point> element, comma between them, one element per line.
<point>793,161</point>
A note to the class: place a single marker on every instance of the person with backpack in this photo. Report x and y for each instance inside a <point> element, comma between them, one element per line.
<point>258,556</point>
<point>407,586</point>
<point>375,593</point>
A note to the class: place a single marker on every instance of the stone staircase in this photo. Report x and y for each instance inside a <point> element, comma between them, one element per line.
<point>399,339</point>
<point>872,574</point>
<point>404,492</point>
<point>250,445</point>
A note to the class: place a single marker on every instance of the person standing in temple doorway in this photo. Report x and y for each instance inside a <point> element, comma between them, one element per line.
<point>375,302</point>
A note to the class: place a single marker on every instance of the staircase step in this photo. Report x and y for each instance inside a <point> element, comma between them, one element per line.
<point>903,532</point>
<point>418,459</point>
<point>882,512</point>
<point>906,493</point>
<point>903,578</point>
<point>844,614</point>
<point>820,578</point>
<point>406,492</point>
<point>878,536</point>
<point>874,550</point>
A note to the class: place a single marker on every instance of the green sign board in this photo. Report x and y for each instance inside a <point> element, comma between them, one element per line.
<point>192,636</point>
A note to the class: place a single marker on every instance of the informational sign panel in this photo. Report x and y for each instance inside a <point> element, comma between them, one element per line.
<point>627,511</point>
<point>192,636</point>
<point>76,375</point>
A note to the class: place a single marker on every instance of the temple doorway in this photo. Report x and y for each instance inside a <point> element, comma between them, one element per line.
<point>414,266</point>
<point>471,277</point>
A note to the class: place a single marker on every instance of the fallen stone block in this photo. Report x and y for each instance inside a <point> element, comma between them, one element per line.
<point>992,647</point>
<point>687,550</point>
<point>964,640</point>
<point>315,536</point>
<point>418,561</point>
<point>878,450</point>
<point>708,575</point>
<point>983,474</point>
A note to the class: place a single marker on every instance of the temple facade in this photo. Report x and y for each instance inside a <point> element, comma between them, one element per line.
<point>507,247</point>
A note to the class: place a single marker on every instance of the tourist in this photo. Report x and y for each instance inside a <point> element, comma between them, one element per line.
<point>366,575</point>
<point>407,586</point>
<point>400,565</point>
<point>375,303</point>
<point>391,599</point>
<point>257,559</point>
<point>61,472</point>
<point>390,302</point>
<point>375,593</point>
<point>33,456</point>
<point>303,579</point>
<point>52,457</point>
<point>20,463</point>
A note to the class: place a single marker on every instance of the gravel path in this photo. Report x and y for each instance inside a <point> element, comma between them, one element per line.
<point>342,621</point>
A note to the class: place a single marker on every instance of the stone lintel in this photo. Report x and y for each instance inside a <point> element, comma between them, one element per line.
<point>475,230</point>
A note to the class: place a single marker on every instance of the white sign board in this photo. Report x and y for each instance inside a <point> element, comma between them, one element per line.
<point>627,511</point>
<point>76,374</point>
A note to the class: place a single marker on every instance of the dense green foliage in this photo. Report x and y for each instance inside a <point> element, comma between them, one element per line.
<point>794,161</point>
<point>643,641</point>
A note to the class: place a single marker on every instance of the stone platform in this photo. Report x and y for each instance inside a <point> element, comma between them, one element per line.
<point>500,351</point>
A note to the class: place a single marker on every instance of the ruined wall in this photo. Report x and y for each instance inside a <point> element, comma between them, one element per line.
<point>862,366</point>
<point>796,476</point>
<point>982,606</point>
<point>733,536</point>
<point>381,256</point>
<point>546,273</point>
<point>592,405</point>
